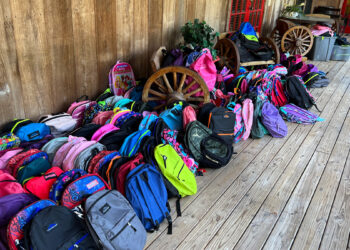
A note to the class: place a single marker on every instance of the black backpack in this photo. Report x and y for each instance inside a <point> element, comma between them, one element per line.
<point>297,93</point>
<point>57,227</point>
<point>222,122</point>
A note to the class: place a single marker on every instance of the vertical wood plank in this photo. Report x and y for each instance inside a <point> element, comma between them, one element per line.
<point>154,27</point>
<point>124,29</point>
<point>168,29</point>
<point>33,58</point>
<point>105,39</point>
<point>84,32</point>
<point>10,83</point>
<point>140,61</point>
<point>58,22</point>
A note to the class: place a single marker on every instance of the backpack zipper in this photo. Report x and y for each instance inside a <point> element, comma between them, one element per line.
<point>99,198</point>
<point>76,244</point>
<point>178,175</point>
<point>124,227</point>
<point>51,118</point>
<point>164,159</point>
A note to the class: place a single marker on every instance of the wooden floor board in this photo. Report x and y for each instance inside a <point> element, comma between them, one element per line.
<point>276,193</point>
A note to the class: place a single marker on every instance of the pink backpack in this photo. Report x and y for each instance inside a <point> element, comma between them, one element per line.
<point>8,155</point>
<point>121,78</point>
<point>64,149</point>
<point>102,117</point>
<point>188,115</point>
<point>247,114</point>
<point>102,131</point>
<point>68,162</point>
<point>77,110</point>
<point>9,185</point>
<point>117,115</point>
<point>205,67</point>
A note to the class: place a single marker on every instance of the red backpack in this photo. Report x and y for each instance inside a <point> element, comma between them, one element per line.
<point>125,169</point>
<point>278,98</point>
<point>40,186</point>
<point>9,185</point>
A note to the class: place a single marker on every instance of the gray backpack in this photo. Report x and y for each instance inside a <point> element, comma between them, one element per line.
<point>84,158</point>
<point>52,146</point>
<point>112,221</point>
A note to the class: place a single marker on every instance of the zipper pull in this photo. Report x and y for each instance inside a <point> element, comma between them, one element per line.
<point>129,224</point>
<point>164,159</point>
<point>76,246</point>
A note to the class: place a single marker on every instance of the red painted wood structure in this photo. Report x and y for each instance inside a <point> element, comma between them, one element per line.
<point>246,11</point>
<point>345,13</point>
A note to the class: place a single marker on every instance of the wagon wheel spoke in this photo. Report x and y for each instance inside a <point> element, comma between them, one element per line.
<point>182,81</point>
<point>165,78</point>
<point>195,99</point>
<point>226,52</point>
<point>221,50</point>
<point>189,86</point>
<point>175,80</point>
<point>159,106</point>
<point>193,92</point>
<point>155,99</point>
<point>161,95</point>
<point>160,85</point>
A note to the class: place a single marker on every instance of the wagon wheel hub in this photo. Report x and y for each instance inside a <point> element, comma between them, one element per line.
<point>297,40</point>
<point>175,96</point>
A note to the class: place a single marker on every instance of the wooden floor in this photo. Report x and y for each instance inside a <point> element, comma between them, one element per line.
<point>277,193</point>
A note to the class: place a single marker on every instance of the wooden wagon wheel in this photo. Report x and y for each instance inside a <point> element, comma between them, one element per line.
<point>273,46</point>
<point>168,85</point>
<point>228,54</point>
<point>276,37</point>
<point>297,40</point>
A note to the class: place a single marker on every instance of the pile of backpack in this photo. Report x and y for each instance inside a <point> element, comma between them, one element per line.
<point>100,174</point>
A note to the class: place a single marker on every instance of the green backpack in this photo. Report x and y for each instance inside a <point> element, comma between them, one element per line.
<point>174,170</point>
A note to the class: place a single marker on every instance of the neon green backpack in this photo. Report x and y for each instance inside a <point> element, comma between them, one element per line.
<point>174,170</point>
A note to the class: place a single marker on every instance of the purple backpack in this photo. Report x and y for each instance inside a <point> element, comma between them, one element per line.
<point>293,113</point>
<point>273,121</point>
<point>11,204</point>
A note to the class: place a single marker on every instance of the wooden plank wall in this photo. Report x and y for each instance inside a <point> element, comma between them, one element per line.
<point>52,52</point>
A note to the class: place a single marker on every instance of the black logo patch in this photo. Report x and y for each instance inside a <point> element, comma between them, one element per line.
<point>105,208</point>
<point>34,134</point>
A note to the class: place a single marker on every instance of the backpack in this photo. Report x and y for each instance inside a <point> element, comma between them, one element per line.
<point>195,133</point>
<point>91,111</point>
<point>293,113</point>
<point>32,132</point>
<point>239,128</point>
<point>9,185</point>
<point>258,129</point>
<point>222,122</point>
<point>36,144</point>
<point>8,155</point>
<point>173,117</point>
<point>113,170</point>
<point>8,141</point>
<point>78,190</point>
<point>298,94</point>
<point>77,110</point>
<point>146,192</point>
<point>132,143</point>
<point>188,115</point>
<point>114,140</point>
<point>174,169</point>
<point>215,151</point>
<point>15,229</point>
<point>147,121</point>
<point>247,115</point>
<point>62,152</point>
<point>124,169</point>
<point>60,184</point>
<point>52,146</point>
<point>57,227</point>
<point>35,168</point>
<point>68,162</point>
<point>21,160</point>
<point>157,127</point>
<point>102,165</point>
<point>84,158</point>
<point>205,67</point>
<point>102,97</point>
<point>102,117</point>
<point>278,98</point>
<point>273,121</point>
<point>86,131</point>
<point>13,126</point>
<point>59,124</point>
<point>121,78</point>
<point>40,186</point>
<point>315,80</point>
<point>113,223</point>
<point>11,204</point>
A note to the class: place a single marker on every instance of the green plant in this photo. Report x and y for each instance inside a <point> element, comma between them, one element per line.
<point>199,34</point>
<point>291,8</point>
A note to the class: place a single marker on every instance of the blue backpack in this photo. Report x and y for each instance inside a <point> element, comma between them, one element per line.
<point>33,132</point>
<point>173,117</point>
<point>62,182</point>
<point>132,143</point>
<point>147,194</point>
<point>147,121</point>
